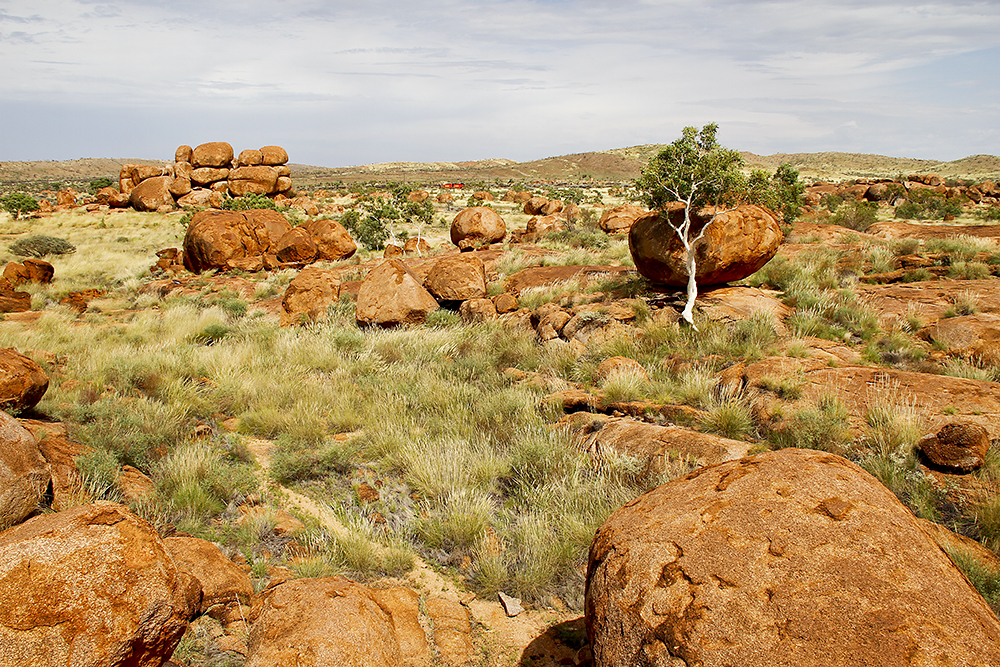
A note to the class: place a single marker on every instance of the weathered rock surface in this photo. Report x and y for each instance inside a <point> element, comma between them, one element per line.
<point>391,295</point>
<point>789,558</point>
<point>736,245</point>
<point>212,154</point>
<point>956,445</point>
<point>256,180</point>
<point>929,300</point>
<point>619,219</point>
<point>151,194</point>
<point>896,229</point>
<point>296,246</point>
<point>90,586</point>
<point>215,238</point>
<point>336,622</point>
<point>540,276</point>
<point>274,155</point>
<point>22,381</point>
<point>29,271</point>
<point>616,365</point>
<point>478,224</point>
<point>971,336</point>
<point>333,242</point>
<point>733,304</point>
<point>309,295</point>
<point>658,448</point>
<point>222,582</point>
<point>60,453</point>
<point>24,475</point>
<point>457,278</point>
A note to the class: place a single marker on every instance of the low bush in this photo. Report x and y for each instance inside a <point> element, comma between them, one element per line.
<point>40,246</point>
<point>856,215</point>
<point>248,202</point>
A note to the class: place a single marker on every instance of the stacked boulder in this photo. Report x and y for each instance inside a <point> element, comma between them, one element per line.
<point>203,175</point>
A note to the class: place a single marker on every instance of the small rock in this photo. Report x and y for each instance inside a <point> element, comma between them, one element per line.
<point>511,605</point>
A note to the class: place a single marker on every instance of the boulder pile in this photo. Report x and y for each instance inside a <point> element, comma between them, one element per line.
<point>201,176</point>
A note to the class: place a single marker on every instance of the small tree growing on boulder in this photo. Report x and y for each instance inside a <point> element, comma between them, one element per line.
<point>703,175</point>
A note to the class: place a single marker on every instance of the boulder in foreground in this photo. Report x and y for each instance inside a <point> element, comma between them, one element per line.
<point>791,558</point>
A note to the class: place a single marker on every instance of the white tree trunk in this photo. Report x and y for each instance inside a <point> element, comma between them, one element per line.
<point>692,289</point>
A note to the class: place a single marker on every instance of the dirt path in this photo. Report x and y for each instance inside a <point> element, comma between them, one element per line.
<point>530,638</point>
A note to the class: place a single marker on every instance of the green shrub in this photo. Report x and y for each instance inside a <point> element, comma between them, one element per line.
<point>99,184</point>
<point>17,203</point>
<point>368,231</point>
<point>40,246</point>
<point>991,214</point>
<point>856,215</point>
<point>248,202</point>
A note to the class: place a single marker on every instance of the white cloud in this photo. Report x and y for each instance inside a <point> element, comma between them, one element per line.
<point>515,78</point>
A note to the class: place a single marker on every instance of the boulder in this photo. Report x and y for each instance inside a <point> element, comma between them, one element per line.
<point>478,224</point>
<point>457,278</point>
<point>416,246</point>
<point>482,195</point>
<point>793,557</point>
<point>183,153</point>
<point>91,585</point>
<point>222,581</point>
<point>336,622</point>
<point>445,197</point>
<point>552,207</point>
<point>735,245</point>
<point>205,176</point>
<point>418,196</point>
<point>283,184</point>
<point>477,310</point>
<point>615,365</point>
<point>24,476</point>
<point>12,301</point>
<point>151,194</point>
<point>22,381</point>
<point>261,180</point>
<point>391,295</point>
<point>141,172</point>
<point>505,303</point>
<point>309,295</point>
<point>180,186</point>
<point>60,454</point>
<point>619,219</point>
<point>974,336</point>
<point>29,271</point>
<point>305,204</point>
<point>212,154</point>
<point>274,155</point>
<point>249,158</point>
<point>104,195</point>
<point>534,205</point>
<point>200,197</point>
<point>333,241</point>
<point>296,247</point>
<point>956,445</point>
<point>275,224</point>
<point>183,170</point>
<point>215,238</point>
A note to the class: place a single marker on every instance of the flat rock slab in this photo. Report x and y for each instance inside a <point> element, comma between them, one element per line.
<point>891,229</point>
<point>542,276</point>
<point>929,300</point>
<point>938,399</point>
<point>733,304</point>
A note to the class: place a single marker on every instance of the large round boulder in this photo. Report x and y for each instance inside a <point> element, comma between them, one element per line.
<point>152,193</point>
<point>333,241</point>
<point>274,155</point>
<point>309,295</point>
<point>391,295</point>
<point>735,245</point>
<point>619,219</point>
<point>212,154</point>
<point>22,381</point>
<point>223,583</point>
<point>457,278</point>
<point>215,239</point>
<point>334,621</point>
<point>478,224</point>
<point>255,180</point>
<point>794,557</point>
<point>24,475</point>
<point>90,586</point>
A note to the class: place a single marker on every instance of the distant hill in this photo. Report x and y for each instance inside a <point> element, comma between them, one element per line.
<point>617,165</point>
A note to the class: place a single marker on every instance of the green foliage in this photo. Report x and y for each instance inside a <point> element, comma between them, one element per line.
<point>782,192</point>
<point>40,246</point>
<point>296,459</point>
<point>856,215</point>
<point>99,184</point>
<point>368,231</point>
<point>248,202</point>
<point>17,203</point>
<point>928,205</point>
<point>991,214</point>
<point>375,224</point>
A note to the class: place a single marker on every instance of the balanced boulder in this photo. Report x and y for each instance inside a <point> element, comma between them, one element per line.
<point>794,557</point>
<point>24,476</point>
<point>91,585</point>
<point>479,224</point>
<point>333,242</point>
<point>212,154</point>
<point>274,155</point>
<point>391,295</point>
<point>735,245</point>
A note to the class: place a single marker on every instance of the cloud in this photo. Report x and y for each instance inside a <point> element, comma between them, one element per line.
<point>457,79</point>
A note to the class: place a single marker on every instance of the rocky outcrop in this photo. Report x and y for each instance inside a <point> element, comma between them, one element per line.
<point>457,278</point>
<point>28,271</point>
<point>24,476</point>
<point>333,242</point>
<point>215,238</point>
<point>152,194</point>
<point>309,295</point>
<point>735,245</point>
<point>22,381</point>
<point>391,295</point>
<point>224,585</point>
<point>93,586</point>
<point>792,557</point>
<point>619,219</point>
<point>333,621</point>
<point>477,225</point>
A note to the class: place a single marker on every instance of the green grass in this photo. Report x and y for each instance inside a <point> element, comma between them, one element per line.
<point>984,579</point>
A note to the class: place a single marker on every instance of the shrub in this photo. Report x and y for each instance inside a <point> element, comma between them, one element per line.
<point>991,214</point>
<point>99,184</point>
<point>17,203</point>
<point>40,246</point>
<point>247,202</point>
<point>856,215</point>
<point>370,231</point>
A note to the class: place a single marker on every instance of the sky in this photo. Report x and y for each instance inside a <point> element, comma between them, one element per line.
<point>365,81</point>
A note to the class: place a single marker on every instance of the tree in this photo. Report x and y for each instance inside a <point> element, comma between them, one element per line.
<point>703,175</point>
<point>17,203</point>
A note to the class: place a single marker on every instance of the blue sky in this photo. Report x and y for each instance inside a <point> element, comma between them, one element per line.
<point>342,83</point>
